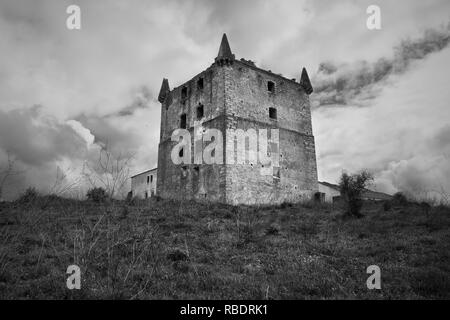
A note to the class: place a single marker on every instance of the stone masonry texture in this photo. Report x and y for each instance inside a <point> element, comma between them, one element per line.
<point>235,94</point>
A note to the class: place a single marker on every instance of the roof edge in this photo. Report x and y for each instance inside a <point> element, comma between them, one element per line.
<point>138,174</point>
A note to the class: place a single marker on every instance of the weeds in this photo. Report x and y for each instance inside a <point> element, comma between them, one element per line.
<point>159,249</point>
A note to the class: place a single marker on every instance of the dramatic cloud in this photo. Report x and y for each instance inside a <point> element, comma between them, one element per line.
<point>35,138</point>
<point>401,135</point>
<point>41,146</point>
<point>97,86</point>
<point>359,82</point>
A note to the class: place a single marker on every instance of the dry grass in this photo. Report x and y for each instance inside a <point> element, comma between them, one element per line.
<point>171,250</point>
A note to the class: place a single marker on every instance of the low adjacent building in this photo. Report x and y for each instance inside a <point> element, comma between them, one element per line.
<point>330,193</point>
<point>143,185</point>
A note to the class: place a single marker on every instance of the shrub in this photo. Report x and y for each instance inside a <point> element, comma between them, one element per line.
<point>273,229</point>
<point>97,195</point>
<point>177,255</point>
<point>129,196</point>
<point>285,205</point>
<point>425,207</point>
<point>399,199</point>
<point>124,212</point>
<point>131,200</point>
<point>387,205</point>
<point>29,195</point>
<point>352,187</point>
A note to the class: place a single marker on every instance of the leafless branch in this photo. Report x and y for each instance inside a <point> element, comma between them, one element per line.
<point>110,171</point>
<point>7,171</point>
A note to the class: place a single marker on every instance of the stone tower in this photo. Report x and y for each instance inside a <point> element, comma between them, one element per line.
<point>235,94</point>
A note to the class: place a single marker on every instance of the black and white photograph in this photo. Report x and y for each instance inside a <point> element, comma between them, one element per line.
<point>212,150</point>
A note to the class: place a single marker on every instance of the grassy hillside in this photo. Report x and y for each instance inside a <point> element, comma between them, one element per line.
<point>169,250</point>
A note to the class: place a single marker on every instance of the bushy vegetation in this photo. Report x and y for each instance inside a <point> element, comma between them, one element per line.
<point>97,195</point>
<point>162,249</point>
<point>352,188</point>
<point>399,199</point>
<point>28,196</point>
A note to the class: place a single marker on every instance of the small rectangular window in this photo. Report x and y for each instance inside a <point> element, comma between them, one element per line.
<point>271,87</point>
<point>183,93</point>
<point>273,113</point>
<point>148,179</point>
<point>183,121</point>
<point>200,112</point>
<point>200,84</point>
<point>151,178</point>
<point>146,194</point>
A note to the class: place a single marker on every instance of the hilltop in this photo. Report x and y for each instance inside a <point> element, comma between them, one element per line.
<point>170,250</point>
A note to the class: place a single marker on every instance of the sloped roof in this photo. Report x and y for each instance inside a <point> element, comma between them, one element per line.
<point>330,185</point>
<point>370,194</point>
<point>376,195</point>
<point>147,171</point>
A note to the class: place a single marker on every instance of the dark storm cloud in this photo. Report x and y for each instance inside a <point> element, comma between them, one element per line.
<point>142,100</point>
<point>107,129</point>
<point>88,75</point>
<point>361,81</point>
<point>110,135</point>
<point>36,139</point>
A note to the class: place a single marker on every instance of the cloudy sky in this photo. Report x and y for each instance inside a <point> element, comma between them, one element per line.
<point>380,102</point>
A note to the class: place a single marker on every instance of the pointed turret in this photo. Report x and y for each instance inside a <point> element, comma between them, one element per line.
<point>305,82</point>
<point>165,89</point>
<point>225,55</point>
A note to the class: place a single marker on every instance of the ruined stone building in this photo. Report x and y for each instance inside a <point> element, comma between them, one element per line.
<point>235,94</point>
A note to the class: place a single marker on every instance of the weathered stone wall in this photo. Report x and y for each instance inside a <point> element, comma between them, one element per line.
<point>247,106</point>
<point>192,181</point>
<point>236,96</point>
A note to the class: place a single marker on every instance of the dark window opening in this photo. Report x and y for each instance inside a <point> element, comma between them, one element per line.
<point>200,84</point>
<point>183,121</point>
<point>200,111</point>
<point>196,168</point>
<point>148,179</point>
<point>319,197</point>
<point>271,87</point>
<point>181,153</point>
<point>183,93</point>
<point>146,194</point>
<point>272,113</point>
<point>151,178</point>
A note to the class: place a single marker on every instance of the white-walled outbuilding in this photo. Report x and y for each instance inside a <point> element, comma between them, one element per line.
<point>329,191</point>
<point>143,185</point>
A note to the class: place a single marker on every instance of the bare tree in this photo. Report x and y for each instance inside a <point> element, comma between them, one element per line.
<point>63,185</point>
<point>7,171</point>
<point>110,171</point>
